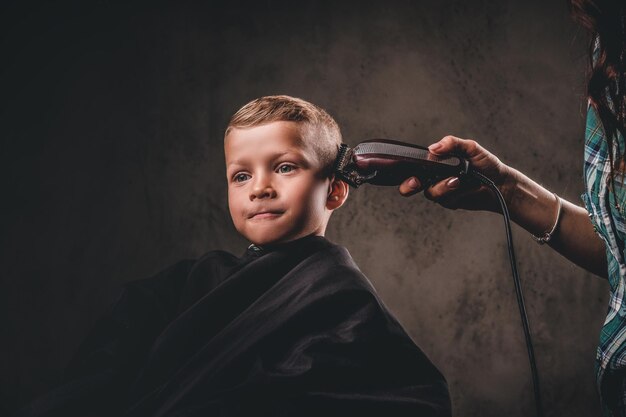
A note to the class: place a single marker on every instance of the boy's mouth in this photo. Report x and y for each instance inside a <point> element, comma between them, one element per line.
<point>265,214</point>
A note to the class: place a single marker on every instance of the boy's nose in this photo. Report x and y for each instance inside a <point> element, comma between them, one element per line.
<point>262,189</point>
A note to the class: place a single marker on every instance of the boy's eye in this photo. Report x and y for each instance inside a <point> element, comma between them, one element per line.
<point>241,177</point>
<point>285,168</point>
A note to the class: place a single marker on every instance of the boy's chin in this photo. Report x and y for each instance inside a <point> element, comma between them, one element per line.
<point>273,240</point>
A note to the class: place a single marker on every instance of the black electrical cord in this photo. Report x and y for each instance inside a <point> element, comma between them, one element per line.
<point>518,287</point>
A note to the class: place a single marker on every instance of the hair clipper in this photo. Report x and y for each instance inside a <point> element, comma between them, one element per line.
<point>390,162</point>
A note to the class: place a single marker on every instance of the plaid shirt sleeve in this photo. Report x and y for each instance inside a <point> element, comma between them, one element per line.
<point>606,211</point>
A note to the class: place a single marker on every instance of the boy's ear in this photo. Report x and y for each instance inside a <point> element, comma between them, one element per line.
<point>337,193</point>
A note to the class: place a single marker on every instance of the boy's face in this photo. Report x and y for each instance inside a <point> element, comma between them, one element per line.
<point>275,190</point>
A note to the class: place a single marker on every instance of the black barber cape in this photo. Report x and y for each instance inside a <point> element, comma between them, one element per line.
<point>290,330</point>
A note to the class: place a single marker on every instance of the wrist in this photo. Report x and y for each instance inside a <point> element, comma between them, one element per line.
<point>530,205</point>
<point>509,185</point>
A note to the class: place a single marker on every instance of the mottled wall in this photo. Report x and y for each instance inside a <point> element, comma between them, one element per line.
<point>111,125</point>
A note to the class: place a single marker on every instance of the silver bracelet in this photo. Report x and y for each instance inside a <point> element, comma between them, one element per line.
<point>548,235</point>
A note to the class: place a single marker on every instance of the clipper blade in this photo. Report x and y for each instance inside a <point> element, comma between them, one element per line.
<point>345,169</point>
<point>343,158</point>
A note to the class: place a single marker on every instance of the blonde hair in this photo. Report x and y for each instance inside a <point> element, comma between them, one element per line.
<point>319,129</point>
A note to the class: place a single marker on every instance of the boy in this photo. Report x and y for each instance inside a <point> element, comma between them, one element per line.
<point>291,328</point>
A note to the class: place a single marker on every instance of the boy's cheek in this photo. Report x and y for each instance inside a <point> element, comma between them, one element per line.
<point>234,211</point>
<point>233,199</point>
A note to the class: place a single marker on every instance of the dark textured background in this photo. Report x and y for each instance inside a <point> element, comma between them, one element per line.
<point>111,124</point>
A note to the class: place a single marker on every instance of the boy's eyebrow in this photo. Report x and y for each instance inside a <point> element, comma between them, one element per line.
<point>274,156</point>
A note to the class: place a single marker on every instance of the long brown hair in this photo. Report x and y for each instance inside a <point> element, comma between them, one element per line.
<point>606,85</point>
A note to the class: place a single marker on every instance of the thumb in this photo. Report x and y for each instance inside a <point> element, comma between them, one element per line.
<point>452,144</point>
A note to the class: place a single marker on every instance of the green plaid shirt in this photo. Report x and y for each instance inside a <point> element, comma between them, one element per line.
<point>606,211</point>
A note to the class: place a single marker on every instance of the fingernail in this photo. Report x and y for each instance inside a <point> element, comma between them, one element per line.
<point>413,183</point>
<point>453,182</point>
<point>434,147</point>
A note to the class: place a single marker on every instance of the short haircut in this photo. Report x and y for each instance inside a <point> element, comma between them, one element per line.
<point>319,129</point>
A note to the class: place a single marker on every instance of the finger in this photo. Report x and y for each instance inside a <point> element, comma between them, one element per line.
<point>442,188</point>
<point>452,144</point>
<point>410,186</point>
